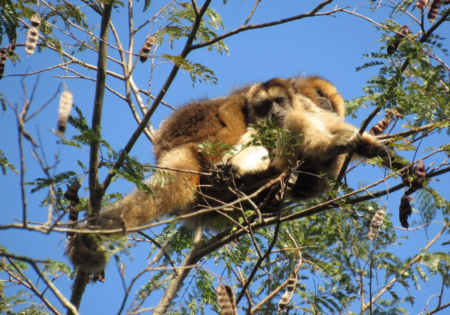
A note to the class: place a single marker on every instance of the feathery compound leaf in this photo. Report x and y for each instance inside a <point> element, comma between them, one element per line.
<point>4,163</point>
<point>376,223</point>
<point>226,300</point>
<point>287,296</point>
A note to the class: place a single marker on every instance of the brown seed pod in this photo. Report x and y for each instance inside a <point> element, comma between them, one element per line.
<point>287,296</point>
<point>32,37</point>
<point>405,211</point>
<point>434,9</point>
<point>421,4</point>
<point>65,105</point>
<point>35,20</point>
<point>419,173</point>
<point>226,300</point>
<point>397,39</point>
<point>145,50</point>
<point>376,223</point>
<point>2,69</point>
<point>3,58</point>
<point>380,127</point>
<point>3,51</point>
<point>12,48</point>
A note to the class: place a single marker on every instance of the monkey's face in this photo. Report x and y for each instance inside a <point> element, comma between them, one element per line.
<point>273,99</point>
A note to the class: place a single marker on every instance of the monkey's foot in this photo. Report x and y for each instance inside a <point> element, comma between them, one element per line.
<point>274,203</point>
<point>222,175</point>
<point>344,141</point>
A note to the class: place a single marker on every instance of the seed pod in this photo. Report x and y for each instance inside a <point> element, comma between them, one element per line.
<point>287,296</point>
<point>32,37</point>
<point>65,105</point>
<point>405,211</point>
<point>376,223</point>
<point>145,50</point>
<point>35,20</point>
<point>12,48</point>
<point>434,9</point>
<point>225,298</point>
<point>419,177</point>
<point>380,127</point>
<point>3,51</point>
<point>2,69</point>
<point>397,39</point>
<point>421,4</point>
<point>3,58</point>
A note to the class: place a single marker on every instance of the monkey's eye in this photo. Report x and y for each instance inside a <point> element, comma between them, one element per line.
<point>279,100</point>
<point>264,108</point>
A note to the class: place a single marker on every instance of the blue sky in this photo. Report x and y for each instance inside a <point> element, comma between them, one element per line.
<point>329,46</point>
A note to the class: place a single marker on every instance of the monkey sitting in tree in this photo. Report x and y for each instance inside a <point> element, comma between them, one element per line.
<point>310,108</point>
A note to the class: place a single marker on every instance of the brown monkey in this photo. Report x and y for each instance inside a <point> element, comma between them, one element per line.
<point>223,120</point>
<point>310,108</point>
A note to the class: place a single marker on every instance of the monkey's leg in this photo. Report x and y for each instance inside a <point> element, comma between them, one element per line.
<point>322,135</point>
<point>370,147</point>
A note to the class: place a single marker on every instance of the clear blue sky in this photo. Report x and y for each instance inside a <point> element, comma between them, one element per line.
<point>331,47</point>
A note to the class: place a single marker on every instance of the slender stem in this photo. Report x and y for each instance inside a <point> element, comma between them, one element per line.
<point>187,49</point>
<point>95,189</point>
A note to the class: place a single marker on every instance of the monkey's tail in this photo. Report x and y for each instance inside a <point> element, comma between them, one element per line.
<point>173,192</point>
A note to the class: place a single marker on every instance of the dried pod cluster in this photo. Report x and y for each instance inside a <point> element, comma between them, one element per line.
<point>32,34</point>
<point>145,50</point>
<point>226,300</point>
<point>32,37</point>
<point>405,211</point>
<point>434,9</point>
<point>380,126</point>
<point>4,54</point>
<point>65,105</point>
<point>419,173</point>
<point>421,4</point>
<point>376,223</point>
<point>397,39</point>
<point>287,296</point>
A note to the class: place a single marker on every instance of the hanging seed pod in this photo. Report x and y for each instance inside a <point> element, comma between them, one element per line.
<point>2,68</point>
<point>3,51</point>
<point>32,37</point>
<point>145,50</point>
<point>421,4</point>
<point>3,57</point>
<point>226,300</point>
<point>419,173</point>
<point>380,127</point>
<point>397,39</point>
<point>287,296</point>
<point>65,105</point>
<point>35,20</point>
<point>375,224</point>
<point>434,9</point>
<point>405,211</point>
<point>12,48</point>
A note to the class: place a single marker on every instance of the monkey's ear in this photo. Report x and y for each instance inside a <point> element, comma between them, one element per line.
<point>325,103</point>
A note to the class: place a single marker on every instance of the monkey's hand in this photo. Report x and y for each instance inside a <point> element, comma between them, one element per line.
<point>223,174</point>
<point>344,141</point>
<point>86,253</point>
<point>415,182</point>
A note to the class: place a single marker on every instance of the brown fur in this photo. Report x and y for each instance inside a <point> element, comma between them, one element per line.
<point>317,114</point>
<point>324,135</point>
